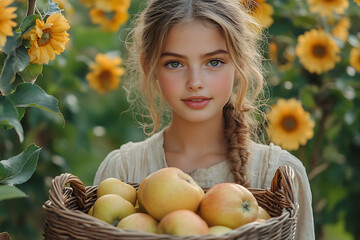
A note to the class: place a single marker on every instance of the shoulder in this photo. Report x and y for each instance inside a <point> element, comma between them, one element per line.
<point>266,159</point>
<point>132,160</point>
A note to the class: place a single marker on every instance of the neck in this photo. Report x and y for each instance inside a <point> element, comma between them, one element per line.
<point>195,137</point>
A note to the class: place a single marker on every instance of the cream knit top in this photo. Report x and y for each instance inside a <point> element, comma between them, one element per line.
<point>134,161</point>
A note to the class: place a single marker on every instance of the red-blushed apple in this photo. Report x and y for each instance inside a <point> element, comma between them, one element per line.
<point>167,190</point>
<point>111,208</point>
<point>182,223</point>
<point>219,230</point>
<point>228,204</point>
<point>116,186</point>
<point>140,222</point>
<point>262,214</point>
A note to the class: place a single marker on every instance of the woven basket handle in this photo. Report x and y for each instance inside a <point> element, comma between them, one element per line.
<point>57,190</point>
<point>284,181</point>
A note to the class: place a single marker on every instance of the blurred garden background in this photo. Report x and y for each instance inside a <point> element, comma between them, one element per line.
<point>62,109</point>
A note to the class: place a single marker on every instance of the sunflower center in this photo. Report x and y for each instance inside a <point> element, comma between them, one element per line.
<point>289,123</point>
<point>105,78</point>
<point>319,50</point>
<point>45,39</point>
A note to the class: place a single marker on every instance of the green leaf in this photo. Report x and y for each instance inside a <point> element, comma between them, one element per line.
<point>10,192</point>
<point>51,7</point>
<point>12,43</point>
<point>9,116</point>
<point>15,62</point>
<point>31,72</point>
<point>31,95</point>
<point>19,169</point>
<point>28,23</point>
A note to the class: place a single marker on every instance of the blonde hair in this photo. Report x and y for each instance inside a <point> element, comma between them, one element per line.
<point>235,23</point>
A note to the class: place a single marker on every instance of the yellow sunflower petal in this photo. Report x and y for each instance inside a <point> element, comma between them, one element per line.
<point>105,73</point>
<point>341,30</point>
<point>112,24</point>
<point>261,11</point>
<point>327,8</point>
<point>289,125</point>
<point>48,38</point>
<point>355,58</point>
<point>358,2</point>
<point>7,14</point>
<point>317,51</point>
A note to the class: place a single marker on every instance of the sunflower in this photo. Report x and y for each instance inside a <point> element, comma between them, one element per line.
<point>289,125</point>
<point>327,7</point>
<point>341,30</point>
<point>260,10</point>
<point>88,3</point>
<point>6,23</point>
<point>65,6</point>
<point>48,39</point>
<point>355,58</point>
<point>358,2</point>
<point>112,5</point>
<point>105,73</point>
<point>317,51</point>
<point>109,21</point>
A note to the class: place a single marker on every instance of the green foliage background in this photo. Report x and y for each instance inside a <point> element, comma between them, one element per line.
<point>96,124</point>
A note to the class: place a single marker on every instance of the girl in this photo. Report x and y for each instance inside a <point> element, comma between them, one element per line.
<point>200,59</point>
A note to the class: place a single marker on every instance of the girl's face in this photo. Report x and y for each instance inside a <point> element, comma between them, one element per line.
<point>195,72</point>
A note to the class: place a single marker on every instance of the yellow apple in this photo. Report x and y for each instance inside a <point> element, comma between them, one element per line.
<point>116,186</point>
<point>262,214</point>
<point>219,230</point>
<point>228,204</point>
<point>90,212</point>
<point>139,221</point>
<point>182,223</point>
<point>111,208</point>
<point>167,190</point>
<point>140,207</point>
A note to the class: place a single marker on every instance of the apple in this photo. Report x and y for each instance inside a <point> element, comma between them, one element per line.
<point>167,190</point>
<point>139,221</point>
<point>262,214</point>
<point>182,223</point>
<point>140,206</point>
<point>111,208</point>
<point>116,186</point>
<point>228,204</point>
<point>90,212</point>
<point>219,230</point>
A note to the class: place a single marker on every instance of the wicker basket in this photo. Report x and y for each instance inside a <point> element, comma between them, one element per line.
<point>66,218</point>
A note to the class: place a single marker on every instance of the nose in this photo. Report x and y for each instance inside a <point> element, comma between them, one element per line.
<point>195,81</point>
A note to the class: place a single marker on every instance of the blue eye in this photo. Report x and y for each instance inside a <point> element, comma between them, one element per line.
<point>173,65</point>
<point>215,63</point>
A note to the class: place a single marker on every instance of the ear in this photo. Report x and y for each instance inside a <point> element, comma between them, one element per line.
<point>144,66</point>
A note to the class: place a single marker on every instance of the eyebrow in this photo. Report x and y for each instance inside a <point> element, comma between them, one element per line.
<point>219,51</point>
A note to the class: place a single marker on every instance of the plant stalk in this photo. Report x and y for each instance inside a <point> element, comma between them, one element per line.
<point>31,7</point>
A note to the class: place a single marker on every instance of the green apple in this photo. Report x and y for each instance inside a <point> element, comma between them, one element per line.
<point>262,214</point>
<point>139,221</point>
<point>219,230</point>
<point>111,208</point>
<point>116,186</point>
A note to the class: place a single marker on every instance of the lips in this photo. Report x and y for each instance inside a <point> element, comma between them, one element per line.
<point>196,102</point>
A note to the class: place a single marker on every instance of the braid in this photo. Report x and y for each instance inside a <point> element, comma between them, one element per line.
<point>237,136</point>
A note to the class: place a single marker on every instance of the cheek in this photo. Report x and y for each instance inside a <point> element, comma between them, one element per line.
<point>224,83</point>
<point>169,85</point>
